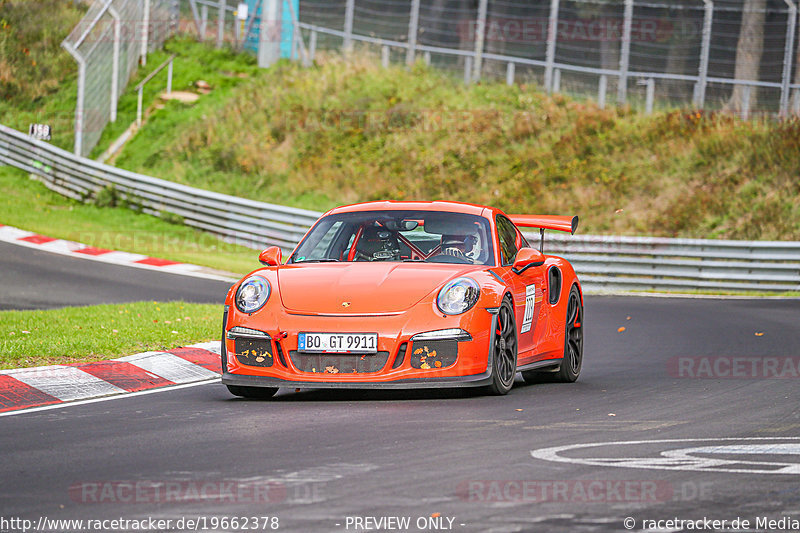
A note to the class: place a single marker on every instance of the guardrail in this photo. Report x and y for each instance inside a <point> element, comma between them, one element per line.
<point>603,263</point>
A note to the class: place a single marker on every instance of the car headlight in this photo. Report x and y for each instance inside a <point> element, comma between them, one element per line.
<point>458,296</point>
<point>252,294</point>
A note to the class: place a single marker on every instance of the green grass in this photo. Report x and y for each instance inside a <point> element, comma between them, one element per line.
<point>349,131</point>
<point>29,205</point>
<point>84,334</point>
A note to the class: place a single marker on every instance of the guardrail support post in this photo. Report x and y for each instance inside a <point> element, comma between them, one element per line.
<point>510,72</point>
<point>413,30</point>
<point>601,91</point>
<point>480,39</point>
<point>467,70</point>
<point>557,80</point>
<point>651,93</point>
<point>624,55</point>
<point>705,50</point>
<point>223,4</point>
<point>786,80</point>
<point>349,12</point>
<point>312,45</point>
<point>385,56</point>
<point>552,37</point>
<point>203,21</point>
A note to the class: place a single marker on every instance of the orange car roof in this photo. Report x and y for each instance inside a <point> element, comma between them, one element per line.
<point>391,205</point>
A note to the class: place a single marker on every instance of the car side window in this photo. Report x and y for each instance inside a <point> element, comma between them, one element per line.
<point>509,240</point>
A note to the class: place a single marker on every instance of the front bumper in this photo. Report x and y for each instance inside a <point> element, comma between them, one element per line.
<point>410,383</point>
<point>473,367</point>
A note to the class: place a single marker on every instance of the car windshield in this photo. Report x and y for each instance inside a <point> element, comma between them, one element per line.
<point>429,236</point>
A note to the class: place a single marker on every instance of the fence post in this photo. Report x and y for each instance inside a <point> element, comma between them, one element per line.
<point>312,45</point>
<point>601,91</point>
<point>746,101</point>
<point>115,63</point>
<point>705,50</point>
<point>145,31</point>
<point>552,37</point>
<point>169,76</point>
<point>624,56</point>
<point>413,30</point>
<point>78,147</point>
<point>223,4</point>
<point>347,46</point>
<point>510,71</point>
<point>203,21</point>
<point>139,105</point>
<point>196,17</point>
<point>787,57</point>
<point>480,38</point>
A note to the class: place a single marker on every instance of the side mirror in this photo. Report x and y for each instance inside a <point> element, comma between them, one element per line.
<point>272,256</point>
<point>526,258</point>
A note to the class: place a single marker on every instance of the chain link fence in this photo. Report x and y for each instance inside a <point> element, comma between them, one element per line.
<point>108,45</point>
<point>735,55</point>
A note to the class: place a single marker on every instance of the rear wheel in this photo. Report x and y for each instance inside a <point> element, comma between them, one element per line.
<point>504,355</point>
<point>571,364</point>
<point>255,393</point>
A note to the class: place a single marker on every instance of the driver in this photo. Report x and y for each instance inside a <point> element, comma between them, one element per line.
<point>458,246</point>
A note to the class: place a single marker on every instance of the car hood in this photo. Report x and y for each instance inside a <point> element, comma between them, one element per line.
<point>361,288</point>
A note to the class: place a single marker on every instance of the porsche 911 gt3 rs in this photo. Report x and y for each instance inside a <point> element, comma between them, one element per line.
<point>406,295</point>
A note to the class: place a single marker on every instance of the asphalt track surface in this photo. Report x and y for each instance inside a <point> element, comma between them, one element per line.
<point>34,279</point>
<point>330,455</point>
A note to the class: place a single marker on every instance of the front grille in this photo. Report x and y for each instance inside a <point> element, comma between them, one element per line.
<point>434,354</point>
<point>339,363</point>
<point>253,352</point>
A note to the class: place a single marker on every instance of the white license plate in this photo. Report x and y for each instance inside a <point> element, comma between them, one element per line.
<point>337,342</point>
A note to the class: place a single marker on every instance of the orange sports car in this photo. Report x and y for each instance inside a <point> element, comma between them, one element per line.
<point>406,295</point>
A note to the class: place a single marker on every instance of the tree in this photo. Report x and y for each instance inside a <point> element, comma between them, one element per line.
<point>748,51</point>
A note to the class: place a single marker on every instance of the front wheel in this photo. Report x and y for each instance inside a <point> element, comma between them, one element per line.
<point>504,354</point>
<point>255,393</point>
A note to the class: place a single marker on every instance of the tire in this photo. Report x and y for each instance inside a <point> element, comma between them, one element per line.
<point>504,355</point>
<point>570,367</point>
<point>573,340</point>
<point>254,393</point>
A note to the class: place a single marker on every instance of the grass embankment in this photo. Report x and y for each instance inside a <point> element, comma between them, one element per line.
<point>348,131</point>
<point>83,334</point>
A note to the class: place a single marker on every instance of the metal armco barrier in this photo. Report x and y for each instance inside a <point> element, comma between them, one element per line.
<point>602,262</point>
